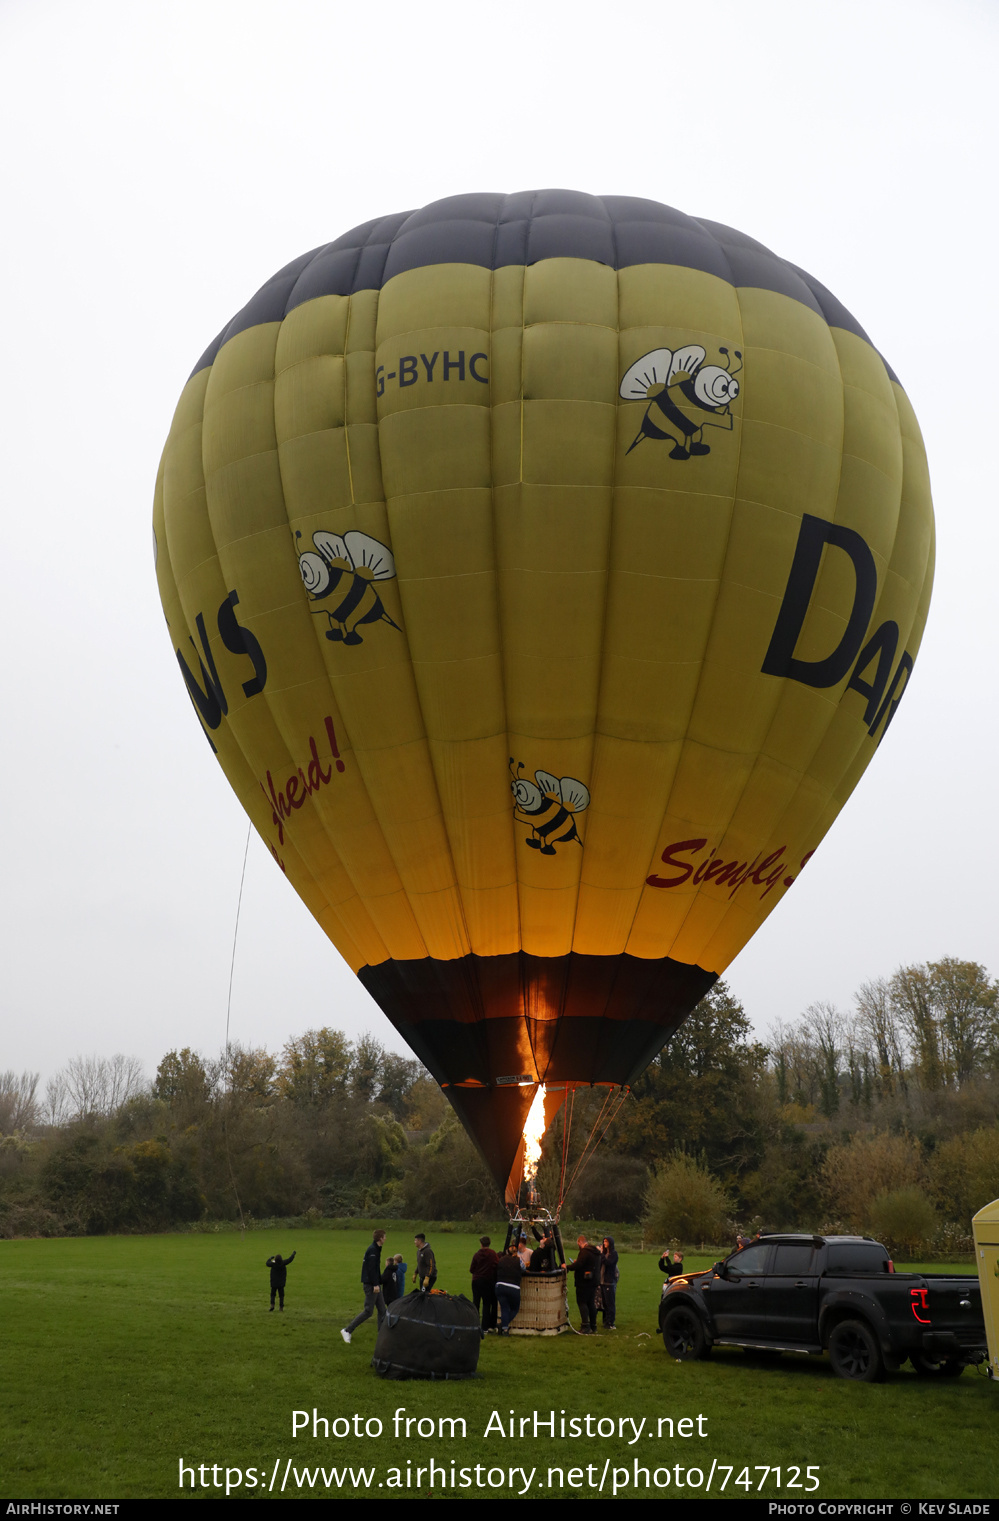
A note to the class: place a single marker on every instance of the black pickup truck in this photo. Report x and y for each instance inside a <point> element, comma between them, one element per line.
<point>813,1293</point>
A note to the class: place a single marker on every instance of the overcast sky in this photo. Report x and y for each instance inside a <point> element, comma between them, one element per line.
<point>162,160</point>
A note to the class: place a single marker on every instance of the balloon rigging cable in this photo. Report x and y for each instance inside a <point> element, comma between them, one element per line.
<point>609,1111</point>
<point>235,932</point>
<point>228,1012</point>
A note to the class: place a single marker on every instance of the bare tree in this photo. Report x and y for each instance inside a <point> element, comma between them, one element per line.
<point>20,1107</point>
<point>778,1043</point>
<point>126,1080</point>
<point>880,1034</point>
<point>57,1108</point>
<point>794,1061</point>
<point>911,993</point>
<point>859,1064</point>
<point>96,1084</point>
<point>824,1024</point>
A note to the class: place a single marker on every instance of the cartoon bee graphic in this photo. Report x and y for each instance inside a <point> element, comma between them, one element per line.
<point>548,805</point>
<point>344,570</point>
<point>684,394</point>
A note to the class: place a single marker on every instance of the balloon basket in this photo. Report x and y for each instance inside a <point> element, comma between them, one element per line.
<point>544,1308</point>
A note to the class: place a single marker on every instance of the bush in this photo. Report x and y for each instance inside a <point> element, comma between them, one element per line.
<point>347,1198</point>
<point>30,1218</point>
<point>683,1200</point>
<point>446,1178</point>
<point>96,1186</point>
<point>904,1221</point>
<point>784,1191</point>
<point>864,1169</point>
<point>953,1244</point>
<point>965,1174</point>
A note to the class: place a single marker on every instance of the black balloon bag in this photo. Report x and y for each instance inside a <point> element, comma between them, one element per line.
<point>428,1336</point>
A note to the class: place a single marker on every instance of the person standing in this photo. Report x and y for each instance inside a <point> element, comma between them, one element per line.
<point>371,1283</point>
<point>279,1274</point>
<point>401,1269</point>
<point>542,1259</point>
<point>509,1272</point>
<point>426,1263</point>
<point>483,1271</point>
<point>609,1275</point>
<point>586,1272</point>
<point>671,1267</point>
<point>390,1283</point>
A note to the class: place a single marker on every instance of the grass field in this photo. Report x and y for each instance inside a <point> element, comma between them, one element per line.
<point>121,1357</point>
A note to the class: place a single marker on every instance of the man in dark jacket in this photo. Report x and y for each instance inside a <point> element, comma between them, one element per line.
<point>426,1263</point>
<point>371,1283</point>
<point>586,1272</point>
<point>279,1274</point>
<point>483,1270</point>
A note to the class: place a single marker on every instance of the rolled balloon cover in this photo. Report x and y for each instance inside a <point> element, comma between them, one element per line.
<point>544,571</point>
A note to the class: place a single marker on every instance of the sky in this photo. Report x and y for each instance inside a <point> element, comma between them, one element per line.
<point>163,160</point>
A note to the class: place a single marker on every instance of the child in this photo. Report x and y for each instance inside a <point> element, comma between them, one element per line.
<point>279,1274</point>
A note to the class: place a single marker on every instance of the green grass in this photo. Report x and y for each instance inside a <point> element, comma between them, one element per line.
<point>120,1356</point>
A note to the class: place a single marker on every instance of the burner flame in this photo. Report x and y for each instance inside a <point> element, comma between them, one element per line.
<point>534,1129</point>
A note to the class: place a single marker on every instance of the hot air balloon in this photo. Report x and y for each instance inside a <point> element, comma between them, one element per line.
<point>544,570</point>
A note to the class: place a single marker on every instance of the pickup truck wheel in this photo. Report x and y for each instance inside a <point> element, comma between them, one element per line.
<point>927,1367</point>
<point>683,1335</point>
<point>854,1352</point>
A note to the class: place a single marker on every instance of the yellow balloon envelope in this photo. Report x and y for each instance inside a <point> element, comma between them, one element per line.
<point>544,570</point>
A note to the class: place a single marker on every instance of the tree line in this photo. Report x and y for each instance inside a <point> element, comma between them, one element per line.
<point>882,1119</point>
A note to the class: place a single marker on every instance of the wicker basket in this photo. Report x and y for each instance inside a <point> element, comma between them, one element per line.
<point>544,1310</point>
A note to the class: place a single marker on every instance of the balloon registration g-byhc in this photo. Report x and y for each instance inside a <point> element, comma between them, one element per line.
<point>544,570</point>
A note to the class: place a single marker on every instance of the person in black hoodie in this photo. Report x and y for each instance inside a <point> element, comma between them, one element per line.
<point>543,1256</point>
<point>586,1272</point>
<point>279,1274</point>
<point>609,1275</point>
<point>390,1283</point>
